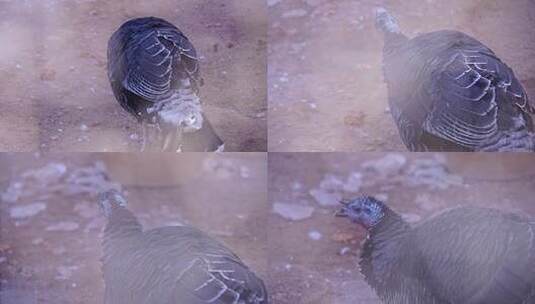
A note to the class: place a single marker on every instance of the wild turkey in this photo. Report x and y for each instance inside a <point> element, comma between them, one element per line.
<point>154,74</point>
<point>463,255</point>
<point>170,264</point>
<point>449,92</point>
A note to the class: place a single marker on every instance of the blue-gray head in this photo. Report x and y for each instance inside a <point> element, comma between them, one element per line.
<point>109,200</point>
<point>366,211</point>
<point>385,22</point>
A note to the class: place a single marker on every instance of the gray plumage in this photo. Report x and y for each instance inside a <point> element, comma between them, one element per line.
<point>154,73</point>
<point>449,92</point>
<point>463,255</point>
<point>170,264</point>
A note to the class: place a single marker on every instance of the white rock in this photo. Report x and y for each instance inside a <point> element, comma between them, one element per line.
<point>293,212</point>
<point>353,183</point>
<point>273,2</point>
<point>21,212</point>
<point>326,198</point>
<point>47,174</point>
<point>391,163</point>
<point>63,226</point>
<point>294,13</point>
<point>344,250</point>
<point>433,173</point>
<point>314,235</point>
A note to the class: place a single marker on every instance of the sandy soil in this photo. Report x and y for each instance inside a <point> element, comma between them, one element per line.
<point>55,94</point>
<point>40,263</point>
<point>326,89</point>
<point>305,269</point>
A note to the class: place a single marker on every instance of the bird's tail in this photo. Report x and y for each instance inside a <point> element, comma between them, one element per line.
<point>385,22</point>
<point>511,141</point>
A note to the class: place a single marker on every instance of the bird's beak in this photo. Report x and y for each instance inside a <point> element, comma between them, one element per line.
<point>342,212</point>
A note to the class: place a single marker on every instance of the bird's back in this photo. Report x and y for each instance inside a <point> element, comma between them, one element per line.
<point>184,265</point>
<point>474,255</point>
<point>453,91</point>
<point>147,60</point>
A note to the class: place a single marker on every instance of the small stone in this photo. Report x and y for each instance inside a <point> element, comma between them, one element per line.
<point>63,226</point>
<point>22,212</point>
<point>296,13</point>
<point>293,212</point>
<point>344,250</point>
<point>391,163</point>
<point>37,241</point>
<point>314,235</point>
<point>84,127</point>
<point>272,2</point>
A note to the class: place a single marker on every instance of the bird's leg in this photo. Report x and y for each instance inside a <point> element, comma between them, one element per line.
<point>173,139</point>
<point>144,130</point>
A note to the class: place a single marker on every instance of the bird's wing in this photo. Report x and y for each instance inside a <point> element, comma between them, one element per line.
<point>154,58</point>
<point>220,278</point>
<point>200,269</point>
<point>148,56</point>
<point>466,91</point>
<point>477,256</point>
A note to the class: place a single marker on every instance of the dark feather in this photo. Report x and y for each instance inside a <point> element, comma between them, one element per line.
<point>172,265</point>
<point>449,92</point>
<point>465,255</point>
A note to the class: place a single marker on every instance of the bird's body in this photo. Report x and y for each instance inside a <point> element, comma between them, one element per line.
<point>172,265</point>
<point>449,92</point>
<point>154,74</point>
<point>463,255</point>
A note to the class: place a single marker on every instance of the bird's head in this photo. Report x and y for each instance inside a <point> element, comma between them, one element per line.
<point>366,211</point>
<point>385,22</point>
<point>109,200</point>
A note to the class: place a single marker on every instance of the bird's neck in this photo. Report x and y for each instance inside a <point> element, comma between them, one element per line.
<point>393,41</point>
<point>381,250</point>
<point>122,226</point>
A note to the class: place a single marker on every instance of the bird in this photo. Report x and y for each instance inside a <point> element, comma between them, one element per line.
<point>153,70</point>
<point>448,91</point>
<point>463,255</point>
<point>175,264</point>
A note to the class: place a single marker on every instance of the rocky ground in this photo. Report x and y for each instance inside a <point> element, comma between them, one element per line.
<point>314,255</point>
<point>55,93</point>
<point>326,89</point>
<point>50,223</point>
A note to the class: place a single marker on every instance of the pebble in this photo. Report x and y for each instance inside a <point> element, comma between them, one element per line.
<point>273,2</point>
<point>344,250</point>
<point>295,13</point>
<point>293,212</point>
<point>84,127</point>
<point>391,163</point>
<point>22,212</point>
<point>314,235</point>
<point>63,226</point>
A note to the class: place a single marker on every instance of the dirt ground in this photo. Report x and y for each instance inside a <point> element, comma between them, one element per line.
<point>53,256</point>
<point>55,94</point>
<point>325,84</point>
<point>313,257</point>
